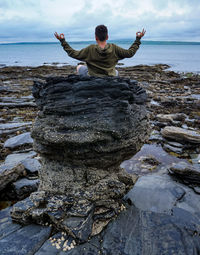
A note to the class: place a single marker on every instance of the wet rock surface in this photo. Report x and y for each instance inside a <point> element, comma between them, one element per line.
<point>141,228</point>
<point>171,229</point>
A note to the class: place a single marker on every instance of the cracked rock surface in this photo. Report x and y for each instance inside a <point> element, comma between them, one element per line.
<point>153,224</point>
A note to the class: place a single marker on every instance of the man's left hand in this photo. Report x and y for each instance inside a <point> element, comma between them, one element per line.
<point>141,34</point>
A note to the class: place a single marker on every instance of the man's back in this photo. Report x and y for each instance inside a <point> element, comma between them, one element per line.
<point>101,58</point>
<point>101,62</point>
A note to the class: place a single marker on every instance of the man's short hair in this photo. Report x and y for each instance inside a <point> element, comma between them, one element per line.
<point>101,32</point>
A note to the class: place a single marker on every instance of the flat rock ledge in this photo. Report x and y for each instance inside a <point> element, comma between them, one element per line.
<point>85,128</point>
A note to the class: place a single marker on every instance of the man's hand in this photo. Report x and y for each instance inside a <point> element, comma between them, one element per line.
<point>59,37</point>
<point>141,34</point>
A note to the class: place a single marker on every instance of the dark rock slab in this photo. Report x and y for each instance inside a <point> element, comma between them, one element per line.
<point>145,232</point>
<point>16,100</point>
<point>48,248</point>
<point>175,144</point>
<point>6,225</point>
<point>12,168</point>
<point>190,202</point>
<point>16,158</point>
<point>174,149</point>
<point>156,136</point>
<point>171,117</point>
<point>155,193</point>
<point>24,241</point>
<point>187,173</point>
<point>79,226</point>
<point>63,244</point>
<point>19,208</point>
<point>10,173</point>
<point>17,105</point>
<point>24,187</point>
<point>12,127</point>
<point>32,165</point>
<point>19,140</point>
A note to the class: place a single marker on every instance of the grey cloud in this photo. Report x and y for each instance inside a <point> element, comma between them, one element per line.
<point>83,23</point>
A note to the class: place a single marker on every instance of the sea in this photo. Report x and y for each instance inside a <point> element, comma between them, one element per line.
<point>180,56</point>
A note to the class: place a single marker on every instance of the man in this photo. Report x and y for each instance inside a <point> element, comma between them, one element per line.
<point>101,58</point>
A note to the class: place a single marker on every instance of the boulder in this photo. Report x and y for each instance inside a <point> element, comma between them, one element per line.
<point>85,128</point>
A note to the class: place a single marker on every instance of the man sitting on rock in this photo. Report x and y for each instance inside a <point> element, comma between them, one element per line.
<point>101,58</point>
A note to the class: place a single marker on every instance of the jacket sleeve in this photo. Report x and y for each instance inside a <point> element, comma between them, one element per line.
<point>77,54</point>
<point>123,53</point>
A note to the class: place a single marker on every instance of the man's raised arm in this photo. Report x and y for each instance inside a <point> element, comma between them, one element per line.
<point>123,53</point>
<point>77,54</point>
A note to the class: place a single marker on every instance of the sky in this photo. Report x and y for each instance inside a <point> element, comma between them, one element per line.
<point>37,20</point>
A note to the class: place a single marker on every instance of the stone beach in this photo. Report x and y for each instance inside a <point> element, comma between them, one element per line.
<point>160,214</point>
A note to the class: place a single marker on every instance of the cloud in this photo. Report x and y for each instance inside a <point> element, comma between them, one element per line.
<point>36,20</point>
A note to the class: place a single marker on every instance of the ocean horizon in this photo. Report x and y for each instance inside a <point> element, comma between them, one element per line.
<point>181,56</point>
<point>164,42</point>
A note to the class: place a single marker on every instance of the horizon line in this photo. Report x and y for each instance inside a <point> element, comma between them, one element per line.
<point>90,41</point>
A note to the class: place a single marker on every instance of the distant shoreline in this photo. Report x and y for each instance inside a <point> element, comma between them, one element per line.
<point>145,42</point>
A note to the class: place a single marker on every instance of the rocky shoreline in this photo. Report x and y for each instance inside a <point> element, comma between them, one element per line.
<point>167,166</point>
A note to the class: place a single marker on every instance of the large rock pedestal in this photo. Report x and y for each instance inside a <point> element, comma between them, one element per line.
<point>85,128</point>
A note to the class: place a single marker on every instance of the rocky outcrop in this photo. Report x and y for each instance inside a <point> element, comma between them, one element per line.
<point>85,128</point>
<point>147,226</point>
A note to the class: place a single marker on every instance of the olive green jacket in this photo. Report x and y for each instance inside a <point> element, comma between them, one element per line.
<point>101,62</point>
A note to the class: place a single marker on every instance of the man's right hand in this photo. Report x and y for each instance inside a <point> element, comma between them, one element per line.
<point>59,37</point>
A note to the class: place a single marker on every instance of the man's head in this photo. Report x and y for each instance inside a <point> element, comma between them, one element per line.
<point>101,33</point>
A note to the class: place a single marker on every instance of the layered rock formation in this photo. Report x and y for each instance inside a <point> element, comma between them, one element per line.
<point>85,128</point>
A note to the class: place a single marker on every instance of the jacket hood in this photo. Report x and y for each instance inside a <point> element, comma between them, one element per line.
<point>106,51</point>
